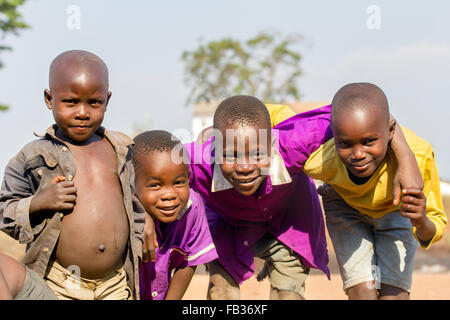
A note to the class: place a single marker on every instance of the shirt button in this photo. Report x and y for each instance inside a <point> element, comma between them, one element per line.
<point>64,149</point>
<point>39,172</point>
<point>154,294</point>
<point>265,209</point>
<point>61,215</point>
<point>260,197</point>
<point>69,177</point>
<point>245,243</point>
<point>45,249</point>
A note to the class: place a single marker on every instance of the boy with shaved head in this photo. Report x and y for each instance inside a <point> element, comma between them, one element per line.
<point>69,194</point>
<point>373,237</point>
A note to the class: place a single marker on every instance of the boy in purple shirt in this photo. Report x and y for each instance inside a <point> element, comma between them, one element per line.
<point>259,202</point>
<point>184,239</point>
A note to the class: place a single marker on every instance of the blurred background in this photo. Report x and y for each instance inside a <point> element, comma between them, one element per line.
<point>170,62</point>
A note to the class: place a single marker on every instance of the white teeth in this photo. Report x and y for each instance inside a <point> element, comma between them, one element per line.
<point>168,208</point>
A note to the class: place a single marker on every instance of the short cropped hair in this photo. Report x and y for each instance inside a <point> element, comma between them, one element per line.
<point>241,110</point>
<point>154,141</point>
<point>359,96</point>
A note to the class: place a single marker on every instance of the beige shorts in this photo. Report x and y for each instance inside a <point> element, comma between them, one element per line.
<point>378,251</point>
<point>69,286</point>
<point>282,266</point>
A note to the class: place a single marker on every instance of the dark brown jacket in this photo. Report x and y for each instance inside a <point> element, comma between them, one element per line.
<point>35,166</point>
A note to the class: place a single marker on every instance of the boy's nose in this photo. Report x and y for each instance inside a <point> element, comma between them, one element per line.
<point>83,112</point>
<point>245,168</point>
<point>357,153</point>
<point>168,194</point>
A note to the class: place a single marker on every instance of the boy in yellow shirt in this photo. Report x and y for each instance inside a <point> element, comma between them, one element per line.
<point>372,237</point>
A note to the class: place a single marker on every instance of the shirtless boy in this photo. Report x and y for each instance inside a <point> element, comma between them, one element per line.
<point>68,194</point>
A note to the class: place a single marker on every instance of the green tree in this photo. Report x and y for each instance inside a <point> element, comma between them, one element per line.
<point>10,23</point>
<point>265,66</point>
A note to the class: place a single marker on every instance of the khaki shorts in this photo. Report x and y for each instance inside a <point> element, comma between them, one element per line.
<point>368,249</point>
<point>69,286</point>
<point>282,265</point>
<point>34,288</point>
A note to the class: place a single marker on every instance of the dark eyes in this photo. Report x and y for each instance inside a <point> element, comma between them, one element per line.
<point>153,185</point>
<point>176,183</point>
<point>346,144</point>
<point>251,155</point>
<point>343,144</point>
<point>93,102</point>
<point>71,101</point>
<point>180,182</point>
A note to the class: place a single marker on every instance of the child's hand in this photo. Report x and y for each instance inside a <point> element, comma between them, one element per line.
<point>406,178</point>
<point>414,206</point>
<point>60,195</point>
<point>150,241</point>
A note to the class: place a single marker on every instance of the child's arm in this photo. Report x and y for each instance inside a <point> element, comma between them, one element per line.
<point>19,202</point>
<point>150,240</point>
<point>414,207</point>
<point>180,282</point>
<point>408,175</point>
<point>429,223</point>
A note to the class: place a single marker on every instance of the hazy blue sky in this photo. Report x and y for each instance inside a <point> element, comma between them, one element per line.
<point>142,41</point>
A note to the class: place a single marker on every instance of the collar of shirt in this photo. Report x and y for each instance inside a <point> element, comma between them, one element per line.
<point>120,141</point>
<point>277,172</point>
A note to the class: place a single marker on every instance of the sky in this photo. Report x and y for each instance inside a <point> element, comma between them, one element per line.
<point>401,46</point>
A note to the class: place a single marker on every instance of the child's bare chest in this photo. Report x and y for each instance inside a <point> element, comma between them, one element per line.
<point>97,160</point>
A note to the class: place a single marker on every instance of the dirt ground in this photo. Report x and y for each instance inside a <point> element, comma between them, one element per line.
<point>426,286</point>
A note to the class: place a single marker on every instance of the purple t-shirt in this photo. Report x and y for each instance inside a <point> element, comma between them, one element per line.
<point>182,243</point>
<point>289,211</point>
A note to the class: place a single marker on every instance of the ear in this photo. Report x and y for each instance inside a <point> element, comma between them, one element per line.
<point>107,99</point>
<point>392,125</point>
<point>48,99</point>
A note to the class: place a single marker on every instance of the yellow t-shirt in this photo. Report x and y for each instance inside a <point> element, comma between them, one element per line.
<point>374,198</point>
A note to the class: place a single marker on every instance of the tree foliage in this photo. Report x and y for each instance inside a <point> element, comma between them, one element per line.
<point>265,66</point>
<point>10,23</point>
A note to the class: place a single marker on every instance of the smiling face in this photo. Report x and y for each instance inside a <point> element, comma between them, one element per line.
<point>162,185</point>
<point>362,137</point>
<point>246,157</point>
<point>78,98</point>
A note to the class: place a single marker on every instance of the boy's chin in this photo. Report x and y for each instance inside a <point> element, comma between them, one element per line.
<point>362,175</point>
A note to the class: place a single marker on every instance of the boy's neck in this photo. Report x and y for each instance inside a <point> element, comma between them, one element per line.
<point>358,180</point>
<point>60,135</point>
